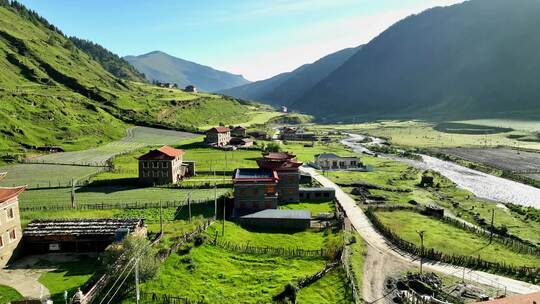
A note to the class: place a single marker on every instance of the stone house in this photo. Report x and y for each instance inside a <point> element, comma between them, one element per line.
<point>239,132</point>
<point>255,189</point>
<point>10,222</point>
<point>288,133</point>
<point>287,168</point>
<point>331,161</point>
<point>163,166</point>
<point>218,136</point>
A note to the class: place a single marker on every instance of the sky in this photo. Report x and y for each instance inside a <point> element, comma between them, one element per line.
<point>255,38</point>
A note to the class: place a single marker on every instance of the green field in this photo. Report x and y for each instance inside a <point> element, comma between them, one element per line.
<point>314,206</point>
<point>67,276</point>
<point>112,195</point>
<point>451,240</point>
<point>8,294</point>
<point>422,134</point>
<point>309,239</point>
<point>332,288</point>
<point>38,175</point>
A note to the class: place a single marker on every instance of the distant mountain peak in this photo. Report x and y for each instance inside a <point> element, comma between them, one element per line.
<point>162,67</point>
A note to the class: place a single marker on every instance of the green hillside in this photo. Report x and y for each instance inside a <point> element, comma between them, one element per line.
<point>477,59</point>
<point>52,93</point>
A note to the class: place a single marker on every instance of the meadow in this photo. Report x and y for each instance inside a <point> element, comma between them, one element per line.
<point>423,134</point>
<point>8,294</point>
<point>451,240</point>
<point>330,289</point>
<point>112,195</point>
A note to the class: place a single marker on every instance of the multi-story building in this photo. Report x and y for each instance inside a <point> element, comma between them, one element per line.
<point>286,167</point>
<point>331,161</point>
<point>10,222</point>
<point>255,189</point>
<point>164,166</point>
<point>218,136</point>
<point>239,132</point>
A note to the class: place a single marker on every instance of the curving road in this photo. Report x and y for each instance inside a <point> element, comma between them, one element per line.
<point>387,251</point>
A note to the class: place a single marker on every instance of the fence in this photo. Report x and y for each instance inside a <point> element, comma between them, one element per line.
<point>530,274</point>
<point>108,206</point>
<point>167,299</point>
<point>102,164</point>
<point>274,251</point>
<point>345,263</point>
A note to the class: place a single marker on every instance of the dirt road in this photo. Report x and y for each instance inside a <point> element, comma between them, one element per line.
<point>389,253</point>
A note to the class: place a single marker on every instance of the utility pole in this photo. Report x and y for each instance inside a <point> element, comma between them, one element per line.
<point>223,222</point>
<point>215,201</point>
<point>161,219</point>
<point>421,234</point>
<point>137,291</point>
<point>189,205</point>
<point>492,227</point>
<point>73,205</point>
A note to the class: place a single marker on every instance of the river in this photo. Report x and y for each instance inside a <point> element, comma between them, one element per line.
<point>483,185</point>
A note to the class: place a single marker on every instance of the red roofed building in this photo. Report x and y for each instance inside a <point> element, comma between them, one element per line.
<point>286,167</point>
<point>532,298</point>
<point>164,166</point>
<point>10,222</point>
<point>218,136</point>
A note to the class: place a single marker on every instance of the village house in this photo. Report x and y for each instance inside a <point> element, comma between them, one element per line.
<point>331,161</point>
<point>78,235</point>
<point>10,222</point>
<point>287,168</point>
<point>218,136</point>
<point>255,189</point>
<point>288,133</point>
<point>241,142</point>
<point>164,166</point>
<point>190,89</point>
<point>239,132</point>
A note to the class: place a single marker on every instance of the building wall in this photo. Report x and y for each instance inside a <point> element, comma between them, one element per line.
<point>220,139</point>
<point>255,196</point>
<point>7,226</point>
<point>161,171</point>
<point>288,186</point>
<point>317,195</point>
<point>338,163</point>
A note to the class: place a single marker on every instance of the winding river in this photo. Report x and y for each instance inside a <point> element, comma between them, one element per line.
<point>483,185</point>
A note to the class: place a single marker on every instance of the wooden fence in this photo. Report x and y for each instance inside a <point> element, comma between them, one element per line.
<point>530,274</point>
<point>274,251</point>
<point>108,206</point>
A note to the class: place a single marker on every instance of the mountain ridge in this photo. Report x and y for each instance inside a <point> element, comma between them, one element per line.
<point>162,67</point>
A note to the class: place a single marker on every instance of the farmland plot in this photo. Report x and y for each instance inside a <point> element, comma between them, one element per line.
<point>136,137</point>
<point>39,175</point>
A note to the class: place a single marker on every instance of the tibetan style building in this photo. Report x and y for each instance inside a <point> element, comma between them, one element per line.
<point>287,168</point>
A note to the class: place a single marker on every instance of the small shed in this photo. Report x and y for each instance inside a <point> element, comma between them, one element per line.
<point>277,219</point>
<point>317,193</point>
<point>77,235</point>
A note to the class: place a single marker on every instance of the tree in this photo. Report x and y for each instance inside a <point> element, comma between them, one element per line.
<point>125,253</point>
<point>271,147</point>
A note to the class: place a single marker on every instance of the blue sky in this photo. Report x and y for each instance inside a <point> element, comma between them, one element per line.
<point>255,38</point>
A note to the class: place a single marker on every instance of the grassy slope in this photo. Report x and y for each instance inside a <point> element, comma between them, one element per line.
<point>8,294</point>
<point>451,240</point>
<point>47,81</point>
<point>332,288</point>
<point>68,276</point>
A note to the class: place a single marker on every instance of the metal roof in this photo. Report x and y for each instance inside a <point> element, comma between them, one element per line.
<point>280,214</point>
<point>254,174</point>
<point>323,189</point>
<point>79,227</point>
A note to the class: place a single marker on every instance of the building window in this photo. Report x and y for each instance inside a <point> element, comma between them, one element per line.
<point>270,189</point>
<point>1,241</point>
<point>327,194</point>
<point>12,235</point>
<point>10,214</point>
<point>154,164</point>
<point>145,164</point>
<point>165,174</point>
<point>165,165</point>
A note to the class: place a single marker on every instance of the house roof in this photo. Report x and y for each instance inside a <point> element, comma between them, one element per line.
<point>40,228</point>
<point>332,155</point>
<point>2,175</point>
<point>315,190</point>
<point>219,130</point>
<point>280,214</point>
<point>239,128</point>
<point>519,299</point>
<point>254,175</point>
<point>7,193</point>
<point>278,155</point>
<point>162,153</point>
<point>278,165</point>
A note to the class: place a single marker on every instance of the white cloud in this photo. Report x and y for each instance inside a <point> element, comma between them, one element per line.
<point>317,41</point>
